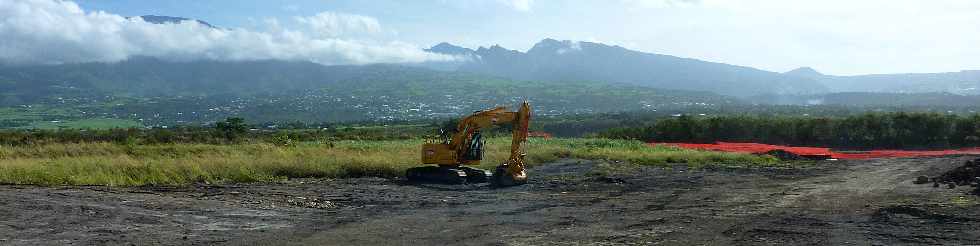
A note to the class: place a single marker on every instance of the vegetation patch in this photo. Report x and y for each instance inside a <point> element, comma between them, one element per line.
<point>873,130</point>
<point>94,123</point>
<point>114,164</point>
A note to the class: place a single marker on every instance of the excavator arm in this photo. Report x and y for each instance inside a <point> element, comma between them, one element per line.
<point>512,172</point>
<point>465,147</point>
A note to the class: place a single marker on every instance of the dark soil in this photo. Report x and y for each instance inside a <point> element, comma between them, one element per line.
<point>966,175</point>
<point>868,202</point>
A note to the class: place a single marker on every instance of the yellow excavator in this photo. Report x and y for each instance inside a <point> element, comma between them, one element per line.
<point>452,153</point>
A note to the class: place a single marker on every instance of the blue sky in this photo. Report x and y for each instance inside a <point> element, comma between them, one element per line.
<point>833,36</point>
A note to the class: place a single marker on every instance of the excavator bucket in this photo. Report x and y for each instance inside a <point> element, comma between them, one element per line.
<point>503,178</point>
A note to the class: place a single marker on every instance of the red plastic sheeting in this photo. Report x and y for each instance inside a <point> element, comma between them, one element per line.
<point>544,135</point>
<point>757,148</point>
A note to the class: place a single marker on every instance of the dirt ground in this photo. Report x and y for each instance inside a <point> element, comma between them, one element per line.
<point>571,202</point>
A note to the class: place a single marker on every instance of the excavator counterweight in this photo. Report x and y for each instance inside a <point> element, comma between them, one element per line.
<point>452,154</point>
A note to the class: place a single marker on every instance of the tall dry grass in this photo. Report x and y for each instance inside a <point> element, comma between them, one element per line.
<point>180,164</point>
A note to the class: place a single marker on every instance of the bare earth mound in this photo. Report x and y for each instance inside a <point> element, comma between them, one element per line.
<point>858,202</point>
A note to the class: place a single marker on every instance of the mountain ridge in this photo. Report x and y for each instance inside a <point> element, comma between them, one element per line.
<point>162,19</point>
<point>964,82</point>
<point>553,60</point>
<point>805,72</point>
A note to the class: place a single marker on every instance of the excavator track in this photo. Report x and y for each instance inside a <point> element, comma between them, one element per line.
<point>476,175</point>
<point>447,175</point>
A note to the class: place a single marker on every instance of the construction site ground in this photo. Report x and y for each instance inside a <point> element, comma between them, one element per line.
<point>570,202</point>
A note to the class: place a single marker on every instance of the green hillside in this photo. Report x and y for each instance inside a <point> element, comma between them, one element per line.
<point>156,92</point>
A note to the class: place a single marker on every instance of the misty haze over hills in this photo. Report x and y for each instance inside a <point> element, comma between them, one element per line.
<point>964,82</point>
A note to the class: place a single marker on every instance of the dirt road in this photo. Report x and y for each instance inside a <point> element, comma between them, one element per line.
<point>870,202</point>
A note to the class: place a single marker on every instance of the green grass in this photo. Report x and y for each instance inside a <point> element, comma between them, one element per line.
<point>181,164</point>
<point>19,114</point>
<point>44,117</point>
<point>97,123</point>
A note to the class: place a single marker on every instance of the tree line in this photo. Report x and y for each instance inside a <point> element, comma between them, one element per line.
<point>871,130</point>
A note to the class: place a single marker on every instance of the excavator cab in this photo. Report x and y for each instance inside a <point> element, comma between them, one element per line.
<point>475,152</point>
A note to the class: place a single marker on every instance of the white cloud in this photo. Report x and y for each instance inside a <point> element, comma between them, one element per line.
<point>645,4</point>
<point>520,5</point>
<point>54,32</point>
<point>491,6</point>
<point>569,46</point>
<point>329,24</point>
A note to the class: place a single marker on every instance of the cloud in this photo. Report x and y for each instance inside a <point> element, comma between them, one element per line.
<point>491,6</point>
<point>519,5</point>
<point>329,24</point>
<point>55,32</point>
<point>569,46</point>
<point>646,4</point>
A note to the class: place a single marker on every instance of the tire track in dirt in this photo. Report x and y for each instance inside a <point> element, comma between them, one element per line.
<point>845,207</point>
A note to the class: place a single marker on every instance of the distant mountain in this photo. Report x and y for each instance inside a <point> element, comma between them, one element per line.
<point>862,99</point>
<point>805,72</point>
<point>463,55</point>
<point>553,60</point>
<point>964,82</point>
<point>449,49</point>
<point>158,19</point>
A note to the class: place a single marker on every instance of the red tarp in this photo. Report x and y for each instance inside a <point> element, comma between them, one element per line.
<point>757,148</point>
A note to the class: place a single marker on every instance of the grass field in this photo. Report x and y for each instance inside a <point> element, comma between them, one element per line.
<point>181,164</point>
<point>96,123</point>
<point>42,117</point>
